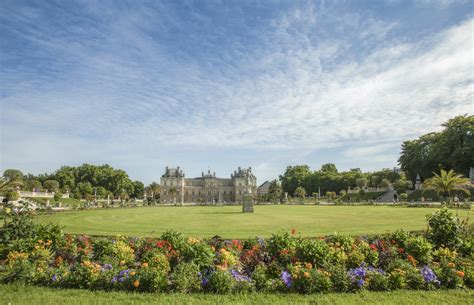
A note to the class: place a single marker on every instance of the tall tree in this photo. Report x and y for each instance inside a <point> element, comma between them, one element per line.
<point>447,182</point>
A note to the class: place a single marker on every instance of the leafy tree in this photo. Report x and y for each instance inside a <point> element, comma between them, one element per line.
<point>8,185</point>
<point>84,188</point>
<point>33,184</point>
<point>293,177</point>
<point>361,182</point>
<point>447,182</point>
<point>13,174</point>
<point>275,190</point>
<point>51,185</point>
<point>329,167</point>
<point>384,183</point>
<point>138,189</point>
<point>375,180</point>
<point>452,148</point>
<point>153,190</point>
<point>300,192</point>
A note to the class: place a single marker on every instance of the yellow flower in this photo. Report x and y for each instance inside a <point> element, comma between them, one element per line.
<point>132,273</point>
<point>306,274</point>
<point>308,266</point>
<point>145,264</point>
<point>40,241</point>
<point>136,283</point>
<point>122,262</point>
<point>451,265</point>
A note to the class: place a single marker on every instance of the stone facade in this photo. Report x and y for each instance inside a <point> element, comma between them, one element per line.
<point>208,188</point>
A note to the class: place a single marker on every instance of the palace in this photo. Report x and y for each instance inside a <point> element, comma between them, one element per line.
<point>175,188</point>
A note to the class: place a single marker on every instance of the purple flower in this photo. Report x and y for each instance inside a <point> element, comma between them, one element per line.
<point>428,275</point>
<point>239,277</point>
<point>286,278</point>
<point>360,283</point>
<point>114,279</point>
<point>261,241</point>
<point>106,267</point>
<point>54,278</point>
<point>204,281</point>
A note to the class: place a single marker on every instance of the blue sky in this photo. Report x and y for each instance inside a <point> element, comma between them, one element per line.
<point>219,84</point>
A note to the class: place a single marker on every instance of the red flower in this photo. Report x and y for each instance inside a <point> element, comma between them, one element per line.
<point>293,231</point>
<point>401,250</point>
<point>373,247</point>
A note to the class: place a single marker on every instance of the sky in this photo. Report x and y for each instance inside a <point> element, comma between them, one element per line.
<point>142,85</point>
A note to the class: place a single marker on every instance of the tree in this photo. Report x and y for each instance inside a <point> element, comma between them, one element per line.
<point>329,167</point>
<point>294,177</point>
<point>153,190</point>
<point>361,183</point>
<point>13,174</point>
<point>447,182</point>
<point>8,185</point>
<point>375,180</point>
<point>84,188</point>
<point>384,183</point>
<point>33,184</point>
<point>51,185</point>
<point>138,189</point>
<point>300,192</point>
<point>452,148</point>
<point>274,190</point>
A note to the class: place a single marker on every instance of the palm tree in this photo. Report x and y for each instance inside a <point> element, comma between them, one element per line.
<point>447,182</point>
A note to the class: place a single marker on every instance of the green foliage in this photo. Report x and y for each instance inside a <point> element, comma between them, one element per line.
<point>378,282</point>
<point>452,148</point>
<point>445,228</point>
<point>403,197</point>
<point>300,192</point>
<point>419,248</point>
<point>12,196</point>
<point>58,196</point>
<point>313,251</point>
<point>51,185</point>
<point>361,182</point>
<point>13,174</point>
<point>186,278</point>
<point>220,281</point>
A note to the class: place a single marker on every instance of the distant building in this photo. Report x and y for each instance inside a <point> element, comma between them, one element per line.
<point>397,170</point>
<point>264,188</point>
<point>208,188</point>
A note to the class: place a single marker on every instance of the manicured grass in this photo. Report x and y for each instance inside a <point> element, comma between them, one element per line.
<point>19,294</point>
<point>229,222</point>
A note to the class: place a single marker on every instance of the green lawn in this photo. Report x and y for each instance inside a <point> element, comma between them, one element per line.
<point>229,222</point>
<point>19,294</point>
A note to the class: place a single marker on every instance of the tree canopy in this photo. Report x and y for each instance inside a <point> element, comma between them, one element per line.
<point>451,148</point>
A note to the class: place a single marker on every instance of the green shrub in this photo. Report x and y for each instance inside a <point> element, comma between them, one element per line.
<point>186,278</point>
<point>151,280</point>
<point>445,229</point>
<point>396,279</point>
<point>378,282</point>
<point>220,281</point>
<point>157,260</point>
<point>313,251</point>
<point>339,278</point>
<point>419,248</point>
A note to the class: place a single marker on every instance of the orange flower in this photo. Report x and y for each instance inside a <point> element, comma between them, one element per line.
<point>145,264</point>
<point>460,273</point>
<point>293,231</point>
<point>136,283</point>
<point>306,274</point>
<point>308,266</point>
<point>451,265</point>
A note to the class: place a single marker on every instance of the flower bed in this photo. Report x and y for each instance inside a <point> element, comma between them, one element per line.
<point>286,262</point>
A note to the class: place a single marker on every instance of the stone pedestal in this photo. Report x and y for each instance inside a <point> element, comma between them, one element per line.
<point>248,204</point>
